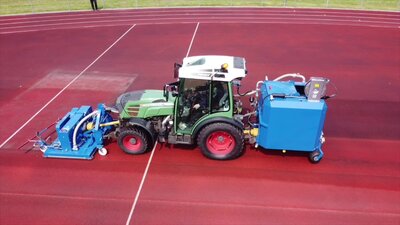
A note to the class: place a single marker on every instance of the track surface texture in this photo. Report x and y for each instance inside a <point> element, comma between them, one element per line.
<point>50,63</point>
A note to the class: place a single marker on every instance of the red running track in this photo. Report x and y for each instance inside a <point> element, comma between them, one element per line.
<point>110,52</point>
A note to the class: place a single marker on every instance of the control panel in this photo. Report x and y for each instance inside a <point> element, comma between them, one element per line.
<point>315,88</point>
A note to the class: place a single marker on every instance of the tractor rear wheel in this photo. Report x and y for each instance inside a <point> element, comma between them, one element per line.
<point>221,141</point>
<point>133,141</point>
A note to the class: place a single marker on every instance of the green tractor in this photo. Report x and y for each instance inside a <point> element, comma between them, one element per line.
<point>199,108</point>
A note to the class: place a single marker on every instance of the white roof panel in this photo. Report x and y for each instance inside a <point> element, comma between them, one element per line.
<point>209,67</point>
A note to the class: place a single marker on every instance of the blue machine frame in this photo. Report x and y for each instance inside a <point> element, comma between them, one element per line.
<point>77,140</point>
<point>290,121</point>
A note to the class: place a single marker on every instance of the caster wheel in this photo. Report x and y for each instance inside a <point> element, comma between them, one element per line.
<point>315,156</point>
<point>43,148</point>
<point>103,151</point>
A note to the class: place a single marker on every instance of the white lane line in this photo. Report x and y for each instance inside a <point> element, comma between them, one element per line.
<point>4,20</point>
<point>305,19</point>
<point>117,17</point>
<point>69,84</point>
<point>191,42</point>
<point>292,22</point>
<point>128,221</point>
<point>298,19</point>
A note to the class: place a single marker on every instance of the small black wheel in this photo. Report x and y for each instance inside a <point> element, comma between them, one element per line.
<point>133,141</point>
<point>221,141</point>
<point>315,156</point>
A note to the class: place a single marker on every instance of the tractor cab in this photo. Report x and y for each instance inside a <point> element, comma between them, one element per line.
<point>203,93</point>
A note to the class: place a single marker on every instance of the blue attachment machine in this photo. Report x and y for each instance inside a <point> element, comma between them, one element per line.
<point>80,133</point>
<point>291,116</point>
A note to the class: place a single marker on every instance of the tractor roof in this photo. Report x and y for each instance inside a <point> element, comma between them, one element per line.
<point>213,67</point>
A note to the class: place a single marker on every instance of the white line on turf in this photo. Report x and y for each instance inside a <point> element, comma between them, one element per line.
<point>191,42</point>
<point>69,84</point>
<point>128,221</point>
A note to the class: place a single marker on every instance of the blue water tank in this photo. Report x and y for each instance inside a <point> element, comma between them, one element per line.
<point>287,120</point>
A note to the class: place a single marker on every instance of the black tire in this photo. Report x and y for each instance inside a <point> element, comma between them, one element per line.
<point>314,157</point>
<point>221,141</point>
<point>133,141</point>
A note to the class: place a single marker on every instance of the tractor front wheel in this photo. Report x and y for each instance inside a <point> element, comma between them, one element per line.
<point>133,141</point>
<point>221,141</point>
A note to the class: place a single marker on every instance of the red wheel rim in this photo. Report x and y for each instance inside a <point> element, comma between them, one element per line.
<point>220,143</point>
<point>132,143</point>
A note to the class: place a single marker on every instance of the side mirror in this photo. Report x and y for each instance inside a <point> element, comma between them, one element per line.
<point>174,90</point>
<point>170,88</point>
<point>176,70</point>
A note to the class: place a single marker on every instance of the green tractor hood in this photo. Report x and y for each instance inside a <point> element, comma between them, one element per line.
<point>144,104</point>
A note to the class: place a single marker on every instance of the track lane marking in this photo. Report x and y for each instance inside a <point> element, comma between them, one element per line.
<point>62,197</point>
<point>368,18</point>
<point>259,206</point>
<point>54,15</point>
<point>69,84</point>
<point>130,216</point>
<point>199,14</point>
<point>128,221</point>
<point>191,42</point>
<point>323,19</point>
<point>207,22</point>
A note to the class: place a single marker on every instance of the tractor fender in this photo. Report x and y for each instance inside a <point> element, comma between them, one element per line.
<point>143,125</point>
<point>230,121</point>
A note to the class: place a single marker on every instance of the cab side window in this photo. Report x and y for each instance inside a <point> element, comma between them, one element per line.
<point>220,97</point>
<point>194,102</point>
